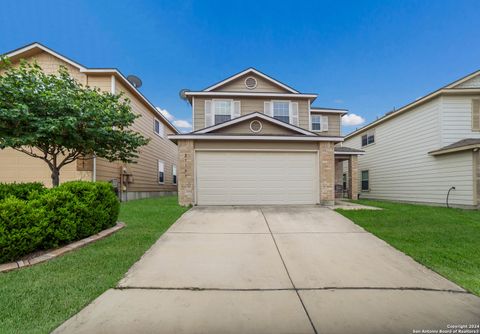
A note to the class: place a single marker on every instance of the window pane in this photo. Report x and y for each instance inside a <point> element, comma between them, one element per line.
<point>161,177</point>
<point>281,109</point>
<point>174,179</point>
<point>222,118</point>
<point>365,180</point>
<point>285,119</point>
<point>222,107</point>
<point>371,139</point>
<point>157,126</point>
<point>364,140</point>
<point>316,123</point>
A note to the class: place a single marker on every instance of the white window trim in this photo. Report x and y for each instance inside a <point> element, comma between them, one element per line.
<point>222,100</point>
<point>311,123</point>
<point>158,171</point>
<point>361,180</point>
<point>174,174</point>
<point>160,128</point>
<point>367,133</point>
<point>289,109</point>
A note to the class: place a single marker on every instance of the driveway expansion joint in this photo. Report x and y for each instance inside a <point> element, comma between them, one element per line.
<point>288,274</point>
<point>288,289</point>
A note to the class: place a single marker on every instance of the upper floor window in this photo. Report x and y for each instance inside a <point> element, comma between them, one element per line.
<point>222,110</point>
<point>158,127</point>
<point>368,138</point>
<point>316,122</point>
<point>281,111</point>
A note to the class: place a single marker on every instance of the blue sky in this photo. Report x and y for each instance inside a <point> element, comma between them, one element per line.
<point>366,56</point>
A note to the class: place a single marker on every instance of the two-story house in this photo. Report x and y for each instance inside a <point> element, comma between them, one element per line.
<point>426,150</point>
<point>256,140</point>
<point>154,174</point>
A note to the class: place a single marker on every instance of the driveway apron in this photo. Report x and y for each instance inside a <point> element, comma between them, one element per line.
<point>294,269</point>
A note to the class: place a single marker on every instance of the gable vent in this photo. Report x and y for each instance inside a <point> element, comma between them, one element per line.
<point>250,82</point>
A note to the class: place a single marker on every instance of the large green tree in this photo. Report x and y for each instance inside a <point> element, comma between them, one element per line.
<point>54,118</point>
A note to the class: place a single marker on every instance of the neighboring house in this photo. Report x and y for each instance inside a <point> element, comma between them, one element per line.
<point>154,173</point>
<point>418,152</point>
<point>256,140</point>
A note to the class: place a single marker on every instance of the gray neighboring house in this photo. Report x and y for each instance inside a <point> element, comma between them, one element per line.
<point>420,151</point>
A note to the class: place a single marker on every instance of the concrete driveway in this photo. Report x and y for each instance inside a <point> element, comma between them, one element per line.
<point>274,270</point>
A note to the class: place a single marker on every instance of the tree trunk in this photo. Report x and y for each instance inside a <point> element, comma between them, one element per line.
<point>55,177</point>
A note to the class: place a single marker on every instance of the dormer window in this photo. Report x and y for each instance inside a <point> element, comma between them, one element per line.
<point>222,110</point>
<point>281,111</point>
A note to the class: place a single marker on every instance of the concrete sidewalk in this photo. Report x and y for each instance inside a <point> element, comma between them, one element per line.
<point>298,269</point>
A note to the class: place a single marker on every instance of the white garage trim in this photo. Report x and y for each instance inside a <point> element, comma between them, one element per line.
<point>316,168</point>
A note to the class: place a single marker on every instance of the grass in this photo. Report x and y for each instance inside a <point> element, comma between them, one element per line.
<point>39,298</point>
<point>445,240</point>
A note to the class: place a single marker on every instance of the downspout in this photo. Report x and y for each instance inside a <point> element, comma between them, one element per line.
<point>94,172</point>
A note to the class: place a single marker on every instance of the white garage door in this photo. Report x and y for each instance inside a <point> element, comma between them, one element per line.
<point>243,178</point>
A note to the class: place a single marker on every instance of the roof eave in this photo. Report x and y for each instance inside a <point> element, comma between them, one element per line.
<point>454,149</point>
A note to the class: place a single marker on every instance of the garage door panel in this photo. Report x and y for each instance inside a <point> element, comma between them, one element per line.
<point>236,178</point>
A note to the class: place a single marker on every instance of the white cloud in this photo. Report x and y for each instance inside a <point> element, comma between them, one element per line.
<point>339,101</point>
<point>180,123</point>
<point>166,114</point>
<point>352,120</point>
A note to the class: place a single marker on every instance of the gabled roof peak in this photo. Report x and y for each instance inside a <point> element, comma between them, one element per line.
<point>254,71</point>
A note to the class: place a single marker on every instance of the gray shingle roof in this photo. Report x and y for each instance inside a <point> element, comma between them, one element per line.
<point>344,149</point>
<point>464,143</point>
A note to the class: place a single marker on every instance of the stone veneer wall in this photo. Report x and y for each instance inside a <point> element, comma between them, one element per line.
<point>186,163</point>
<point>327,173</point>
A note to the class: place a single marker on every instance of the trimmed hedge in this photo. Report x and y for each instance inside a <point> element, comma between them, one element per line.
<point>34,218</point>
<point>20,190</point>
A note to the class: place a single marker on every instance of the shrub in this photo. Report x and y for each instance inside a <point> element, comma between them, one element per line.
<point>46,218</point>
<point>21,190</point>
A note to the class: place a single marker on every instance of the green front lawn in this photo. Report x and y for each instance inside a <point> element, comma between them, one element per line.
<point>445,240</point>
<point>39,298</point>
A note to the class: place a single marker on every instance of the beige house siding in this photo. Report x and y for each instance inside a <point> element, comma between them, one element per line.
<point>254,145</point>
<point>334,124</point>
<point>250,105</point>
<point>238,85</point>
<point>145,171</point>
<point>18,167</point>
<point>267,129</point>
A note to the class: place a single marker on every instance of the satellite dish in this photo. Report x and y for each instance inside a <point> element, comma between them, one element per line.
<point>135,81</point>
<point>182,94</point>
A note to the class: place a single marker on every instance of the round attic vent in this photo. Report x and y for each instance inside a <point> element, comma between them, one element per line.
<point>256,126</point>
<point>250,82</point>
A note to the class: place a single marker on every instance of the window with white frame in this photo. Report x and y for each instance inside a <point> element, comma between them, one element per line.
<point>158,127</point>
<point>365,180</point>
<point>368,138</point>
<point>161,172</point>
<point>281,111</point>
<point>222,110</point>
<point>174,173</point>
<point>316,122</point>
